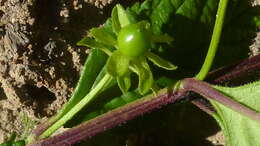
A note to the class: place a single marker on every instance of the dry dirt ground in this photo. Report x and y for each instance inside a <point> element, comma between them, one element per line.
<point>39,62</point>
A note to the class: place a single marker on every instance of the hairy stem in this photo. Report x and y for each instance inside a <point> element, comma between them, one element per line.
<point>245,67</point>
<point>215,74</point>
<point>207,91</point>
<point>112,118</point>
<point>214,40</point>
<point>90,96</point>
<point>204,105</point>
<point>141,106</point>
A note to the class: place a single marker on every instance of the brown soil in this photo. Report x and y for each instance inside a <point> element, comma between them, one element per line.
<point>39,61</point>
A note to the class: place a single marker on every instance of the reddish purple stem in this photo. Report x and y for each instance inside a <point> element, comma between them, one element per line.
<point>111,119</point>
<point>147,104</point>
<point>231,72</point>
<point>41,128</point>
<point>244,68</point>
<point>204,105</point>
<point>207,91</point>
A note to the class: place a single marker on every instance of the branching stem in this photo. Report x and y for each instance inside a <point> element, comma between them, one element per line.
<point>207,91</point>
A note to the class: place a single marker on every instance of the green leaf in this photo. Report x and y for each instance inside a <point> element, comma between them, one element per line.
<point>181,20</point>
<point>12,137</point>
<point>117,64</point>
<point>144,24</point>
<point>124,82</point>
<point>107,105</point>
<point>160,62</point>
<point>142,69</point>
<point>85,114</point>
<point>19,143</point>
<point>93,65</point>
<point>101,35</point>
<point>116,102</point>
<point>122,16</point>
<point>89,42</point>
<point>238,33</point>
<point>12,142</point>
<point>192,21</point>
<point>238,129</point>
<point>8,143</point>
<point>257,20</point>
<point>161,39</point>
<point>137,8</point>
<point>115,21</point>
<point>130,96</point>
<point>166,82</point>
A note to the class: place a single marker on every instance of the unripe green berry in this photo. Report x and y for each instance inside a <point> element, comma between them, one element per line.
<point>133,40</point>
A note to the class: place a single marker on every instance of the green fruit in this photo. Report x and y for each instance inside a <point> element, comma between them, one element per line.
<point>133,40</point>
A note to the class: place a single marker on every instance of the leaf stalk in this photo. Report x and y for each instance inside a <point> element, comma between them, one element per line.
<point>89,97</point>
<point>217,31</point>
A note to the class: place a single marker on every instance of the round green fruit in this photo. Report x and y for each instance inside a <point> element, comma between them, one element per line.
<point>133,40</point>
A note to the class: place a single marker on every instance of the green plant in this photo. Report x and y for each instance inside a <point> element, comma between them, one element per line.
<point>112,60</point>
<point>119,61</point>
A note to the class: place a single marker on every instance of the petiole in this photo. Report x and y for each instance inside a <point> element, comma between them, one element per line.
<point>217,31</point>
<point>90,96</point>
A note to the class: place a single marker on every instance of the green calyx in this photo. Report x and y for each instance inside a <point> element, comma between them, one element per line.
<point>130,42</point>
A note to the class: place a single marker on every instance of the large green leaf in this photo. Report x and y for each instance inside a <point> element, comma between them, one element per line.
<point>92,67</point>
<point>190,23</point>
<point>238,129</point>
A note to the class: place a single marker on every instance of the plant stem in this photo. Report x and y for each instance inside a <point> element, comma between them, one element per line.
<point>113,118</point>
<point>90,96</point>
<point>208,92</point>
<point>214,40</point>
<point>246,67</point>
<point>96,60</point>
